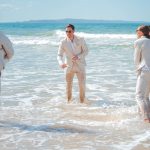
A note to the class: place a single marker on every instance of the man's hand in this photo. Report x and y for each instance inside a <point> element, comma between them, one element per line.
<point>74,58</point>
<point>63,66</point>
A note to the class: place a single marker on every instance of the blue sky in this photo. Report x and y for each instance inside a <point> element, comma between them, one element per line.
<point>20,10</point>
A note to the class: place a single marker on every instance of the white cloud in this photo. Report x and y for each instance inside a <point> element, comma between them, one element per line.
<point>8,6</point>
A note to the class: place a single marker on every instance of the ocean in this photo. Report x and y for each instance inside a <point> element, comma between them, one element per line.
<point>34,114</point>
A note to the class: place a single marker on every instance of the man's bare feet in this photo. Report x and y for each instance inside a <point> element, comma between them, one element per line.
<point>69,101</point>
<point>81,101</point>
<point>85,101</point>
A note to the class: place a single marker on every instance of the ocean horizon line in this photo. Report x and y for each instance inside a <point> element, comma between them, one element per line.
<point>71,20</point>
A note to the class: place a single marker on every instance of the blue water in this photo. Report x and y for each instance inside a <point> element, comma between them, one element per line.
<point>31,28</point>
<point>34,112</point>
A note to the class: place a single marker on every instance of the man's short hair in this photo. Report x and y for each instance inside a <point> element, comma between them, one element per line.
<point>70,26</point>
<point>144,29</point>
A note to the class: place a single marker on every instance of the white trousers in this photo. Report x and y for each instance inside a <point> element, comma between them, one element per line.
<point>142,94</point>
<point>0,82</point>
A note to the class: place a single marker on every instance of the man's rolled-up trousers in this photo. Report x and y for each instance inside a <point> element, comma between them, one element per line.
<point>142,93</point>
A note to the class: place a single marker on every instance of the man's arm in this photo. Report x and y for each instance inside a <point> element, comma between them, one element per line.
<point>60,56</point>
<point>7,47</point>
<point>137,54</point>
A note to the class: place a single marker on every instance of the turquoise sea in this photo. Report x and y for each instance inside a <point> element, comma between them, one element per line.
<point>34,114</point>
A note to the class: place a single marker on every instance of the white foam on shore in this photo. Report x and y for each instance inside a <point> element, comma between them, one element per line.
<point>57,35</point>
<point>98,36</point>
<point>33,40</point>
<point>138,140</point>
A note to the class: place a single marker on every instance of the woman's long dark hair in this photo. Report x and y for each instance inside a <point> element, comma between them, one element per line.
<point>145,30</point>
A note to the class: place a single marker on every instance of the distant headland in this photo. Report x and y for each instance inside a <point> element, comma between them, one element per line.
<point>70,20</point>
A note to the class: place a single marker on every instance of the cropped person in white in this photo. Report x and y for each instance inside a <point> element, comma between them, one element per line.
<point>6,51</point>
<point>74,48</point>
<point>142,62</point>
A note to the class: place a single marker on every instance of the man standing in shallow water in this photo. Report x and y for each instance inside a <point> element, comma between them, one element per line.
<point>75,50</point>
<point>142,62</point>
